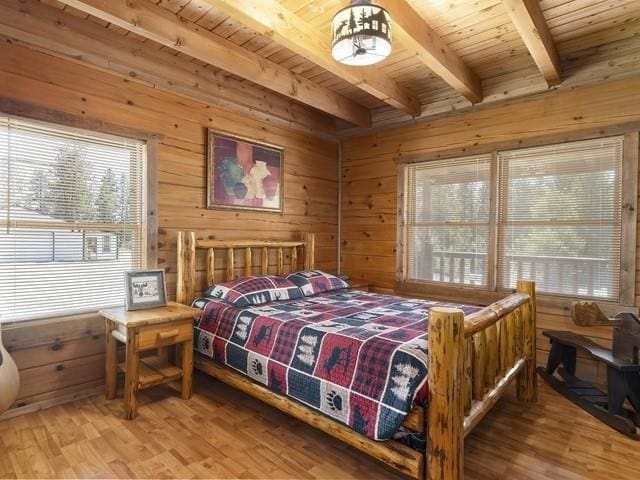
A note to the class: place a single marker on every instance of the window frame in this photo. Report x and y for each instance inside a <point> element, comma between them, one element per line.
<point>489,225</point>
<point>32,113</point>
<point>491,293</point>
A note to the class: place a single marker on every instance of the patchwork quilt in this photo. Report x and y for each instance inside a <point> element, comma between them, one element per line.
<point>359,358</point>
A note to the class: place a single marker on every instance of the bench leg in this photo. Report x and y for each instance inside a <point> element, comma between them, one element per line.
<point>633,381</point>
<point>617,390</point>
<point>569,355</point>
<point>555,357</point>
<point>561,354</point>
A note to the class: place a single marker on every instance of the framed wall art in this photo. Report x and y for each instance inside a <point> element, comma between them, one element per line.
<point>244,174</point>
<point>145,289</point>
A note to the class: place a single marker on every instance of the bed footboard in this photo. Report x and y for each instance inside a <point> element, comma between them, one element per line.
<point>471,362</point>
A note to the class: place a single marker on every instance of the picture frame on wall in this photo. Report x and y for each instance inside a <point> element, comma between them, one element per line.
<point>145,289</point>
<point>243,174</point>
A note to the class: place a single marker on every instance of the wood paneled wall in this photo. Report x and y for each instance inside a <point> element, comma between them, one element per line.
<point>67,357</point>
<point>369,178</point>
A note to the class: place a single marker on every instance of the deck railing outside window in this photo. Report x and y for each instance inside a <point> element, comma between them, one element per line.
<point>585,277</point>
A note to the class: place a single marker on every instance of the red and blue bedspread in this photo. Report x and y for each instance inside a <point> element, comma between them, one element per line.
<point>360,358</point>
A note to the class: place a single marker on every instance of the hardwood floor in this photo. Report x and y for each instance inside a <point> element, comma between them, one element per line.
<point>222,433</point>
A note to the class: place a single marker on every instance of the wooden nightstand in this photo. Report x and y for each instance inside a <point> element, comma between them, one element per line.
<point>140,330</point>
<point>359,284</point>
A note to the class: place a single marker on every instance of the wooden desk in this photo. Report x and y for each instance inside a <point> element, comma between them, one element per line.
<point>140,330</point>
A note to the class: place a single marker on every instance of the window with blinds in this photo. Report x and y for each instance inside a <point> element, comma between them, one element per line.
<point>560,217</point>
<point>447,220</point>
<point>71,218</point>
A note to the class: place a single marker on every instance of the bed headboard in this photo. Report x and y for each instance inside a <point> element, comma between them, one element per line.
<point>188,246</point>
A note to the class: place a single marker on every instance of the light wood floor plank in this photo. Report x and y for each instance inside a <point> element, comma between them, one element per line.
<point>222,433</point>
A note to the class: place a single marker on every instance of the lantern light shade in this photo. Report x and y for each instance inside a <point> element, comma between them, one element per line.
<point>361,34</point>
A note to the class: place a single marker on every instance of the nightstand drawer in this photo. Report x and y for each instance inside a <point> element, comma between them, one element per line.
<point>166,334</point>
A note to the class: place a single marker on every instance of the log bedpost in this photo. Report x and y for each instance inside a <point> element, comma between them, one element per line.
<point>280,261</point>
<point>230,264</point>
<point>527,386</point>
<point>264,261</point>
<point>211,267</point>
<point>445,419</point>
<point>248,262</point>
<point>293,267</point>
<point>186,287</point>
<point>309,250</point>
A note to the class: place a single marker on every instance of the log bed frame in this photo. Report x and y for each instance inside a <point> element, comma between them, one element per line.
<point>472,359</point>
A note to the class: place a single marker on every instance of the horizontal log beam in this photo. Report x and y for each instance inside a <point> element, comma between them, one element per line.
<point>159,25</point>
<point>69,37</point>
<point>270,18</point>
<point>530,23</point>
<point>420,38</point>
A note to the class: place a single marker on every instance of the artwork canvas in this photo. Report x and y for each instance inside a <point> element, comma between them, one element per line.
<point>243,174</point>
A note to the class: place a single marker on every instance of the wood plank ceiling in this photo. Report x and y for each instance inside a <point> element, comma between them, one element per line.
<point>447,54</point>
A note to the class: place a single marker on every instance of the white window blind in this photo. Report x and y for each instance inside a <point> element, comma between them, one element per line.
<point>71,218</point>
<point>447,220</point>
<point>560,217</point>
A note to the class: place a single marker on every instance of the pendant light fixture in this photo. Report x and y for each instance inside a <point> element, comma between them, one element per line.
<point>361,34</point>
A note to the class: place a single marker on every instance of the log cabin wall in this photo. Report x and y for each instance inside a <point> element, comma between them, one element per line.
<point>369,178</point>
<point>65,358</point>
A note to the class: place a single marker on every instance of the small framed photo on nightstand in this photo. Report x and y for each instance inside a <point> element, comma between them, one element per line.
<point>145,289</point>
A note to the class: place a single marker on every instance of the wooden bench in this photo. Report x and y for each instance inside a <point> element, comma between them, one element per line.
<point>623,375</point>
<point>563,339</point>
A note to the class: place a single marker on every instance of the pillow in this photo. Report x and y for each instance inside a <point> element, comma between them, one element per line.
<point>254,290</point>
<point>311,282</point>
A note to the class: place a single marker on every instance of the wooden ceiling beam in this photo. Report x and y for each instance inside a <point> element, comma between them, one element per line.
<point>416,35</point>
<point>67,36</point>
<point>530,23</point>
<point>270,18</point>
<point>155,23</point>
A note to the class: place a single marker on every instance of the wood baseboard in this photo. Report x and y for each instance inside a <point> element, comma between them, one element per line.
<point>90,391</point>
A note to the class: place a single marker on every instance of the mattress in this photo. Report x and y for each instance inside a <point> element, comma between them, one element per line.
<point>359,358</point>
